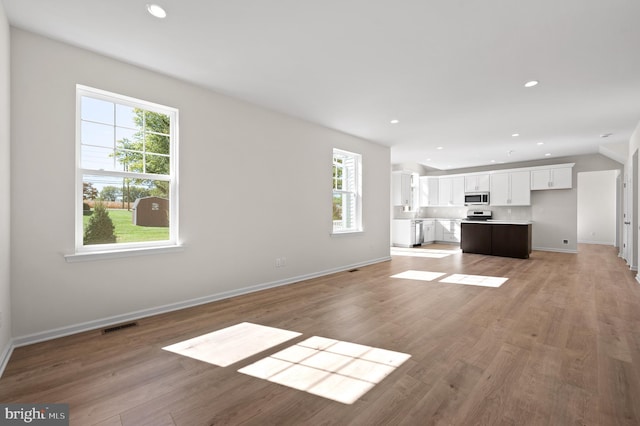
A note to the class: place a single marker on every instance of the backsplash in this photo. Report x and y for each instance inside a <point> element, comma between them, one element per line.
<point>500,213</point>
<point>444,212</point>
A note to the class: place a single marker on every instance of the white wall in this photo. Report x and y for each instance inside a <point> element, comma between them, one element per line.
<point>634,146</point>
<point>597,207</point>
<point>5,276</point>
<point>255,185</point>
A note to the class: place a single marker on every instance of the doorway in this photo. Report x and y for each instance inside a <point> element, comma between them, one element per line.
<point>598,207</point>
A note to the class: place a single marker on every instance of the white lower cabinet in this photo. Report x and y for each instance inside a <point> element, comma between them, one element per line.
<point>429,229</point>
<point>447,230</point>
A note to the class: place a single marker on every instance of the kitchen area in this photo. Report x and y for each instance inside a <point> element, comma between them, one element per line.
<point>485,212</point>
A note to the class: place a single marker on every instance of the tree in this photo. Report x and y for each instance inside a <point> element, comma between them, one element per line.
<point>88,191</point>
<point>110,193</point>
<point>100,227</point>
<point>148,150</point>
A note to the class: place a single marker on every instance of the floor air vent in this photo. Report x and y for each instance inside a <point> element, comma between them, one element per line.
<point>354,270</point>
<point>119,327</point>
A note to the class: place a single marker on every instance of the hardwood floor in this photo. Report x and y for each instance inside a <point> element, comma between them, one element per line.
<point>557,344</point>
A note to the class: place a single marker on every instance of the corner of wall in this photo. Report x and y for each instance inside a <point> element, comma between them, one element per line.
<point>6,346</point>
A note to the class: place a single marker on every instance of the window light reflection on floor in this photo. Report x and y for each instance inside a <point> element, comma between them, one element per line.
<point>479,280</point>
<point>232,344</point>
<point>419,275</point>
<point>417,252</point>
<point>336,370</point>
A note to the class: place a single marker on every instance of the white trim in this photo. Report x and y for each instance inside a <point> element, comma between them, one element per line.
<point>117,319</point>
<point>602,243</point>
<point>356,191</point>
<point>116,254</point>
<point>346,233</point>
<point>638,278</point>
<point>553,249</point>
<point>172,178</point>
<point>6,355</point>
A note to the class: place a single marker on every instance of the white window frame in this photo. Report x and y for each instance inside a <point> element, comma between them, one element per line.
<point>134,248</point>
<point>356,190</point>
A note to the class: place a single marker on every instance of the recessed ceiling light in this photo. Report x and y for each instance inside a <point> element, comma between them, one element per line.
<point>439,147</point>
<point>156,11</point>
<point>394,121</point>
<point>428,159</point>
<point>548,154</point>
<point>540,143</point>
<point>531,83</point>
<point>493,161</point>
<point>515,135</point>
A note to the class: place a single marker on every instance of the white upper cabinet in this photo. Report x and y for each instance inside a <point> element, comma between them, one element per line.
<point>510,189</point>
<point>476,183</point>
<point>429,191</point>
<point>451,191</point>
<point>556,178</point>
<point>404,189</point>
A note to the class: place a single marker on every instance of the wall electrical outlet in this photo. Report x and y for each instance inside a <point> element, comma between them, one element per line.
<point>278,262</point>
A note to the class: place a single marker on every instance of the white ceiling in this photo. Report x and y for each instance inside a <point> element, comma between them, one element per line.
<point>452,71</point>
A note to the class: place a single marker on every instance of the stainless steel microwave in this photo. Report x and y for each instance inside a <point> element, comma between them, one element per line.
<point>476,198</point>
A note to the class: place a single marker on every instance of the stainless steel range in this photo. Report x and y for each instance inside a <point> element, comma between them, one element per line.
<point>479,215</point>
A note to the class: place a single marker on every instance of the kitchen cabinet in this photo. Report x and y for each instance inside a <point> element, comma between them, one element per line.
<point>406,232</point>
<point>451,191</point>
<point>475,238</point>
<point>511,240</point>
<point>429,191</point>
<point>510,189</point>
<point>556,178</point>
<point>476,183</point>
<point>497,239</point>
<point>429,230</point>
<point>448,230</point>
<point>404,189</point>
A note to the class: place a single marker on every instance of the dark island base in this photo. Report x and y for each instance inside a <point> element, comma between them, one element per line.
<point>499,239</point>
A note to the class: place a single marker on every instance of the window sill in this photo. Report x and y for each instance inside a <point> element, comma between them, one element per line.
<point>116,254</point>
<point>346,233</point>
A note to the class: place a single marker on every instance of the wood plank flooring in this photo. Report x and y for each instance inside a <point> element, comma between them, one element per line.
<point>557,344</point>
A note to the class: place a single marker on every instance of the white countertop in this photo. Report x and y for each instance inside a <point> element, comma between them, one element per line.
<point>429,218</point>
<point>499,222</point>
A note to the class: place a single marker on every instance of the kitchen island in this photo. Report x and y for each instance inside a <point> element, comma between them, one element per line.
<point>496,238</point>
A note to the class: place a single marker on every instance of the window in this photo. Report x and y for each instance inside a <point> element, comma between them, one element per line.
<point>126,174</point>
<point>347,191</point>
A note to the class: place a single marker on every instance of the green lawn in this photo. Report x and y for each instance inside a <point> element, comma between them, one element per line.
<point>127,232</point>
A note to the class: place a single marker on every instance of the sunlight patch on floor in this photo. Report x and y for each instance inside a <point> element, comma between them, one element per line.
<point>419,275</point>
<point>332,369</point>
<point>232,344</point>
<point>418,252</point>
<point>479,280</point>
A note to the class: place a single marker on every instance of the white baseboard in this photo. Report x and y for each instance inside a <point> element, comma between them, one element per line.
<point>6,354</point>
<point>117,319</point>
<point>553,249</point>
<point>602,243</point>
